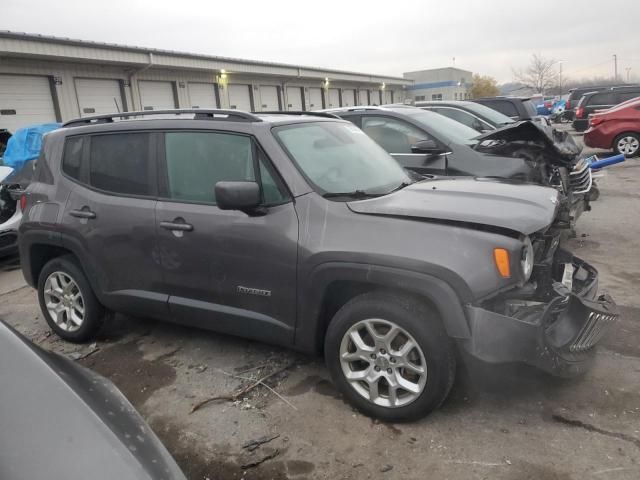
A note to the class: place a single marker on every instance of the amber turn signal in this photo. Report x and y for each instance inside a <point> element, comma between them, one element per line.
<point>501,257</point>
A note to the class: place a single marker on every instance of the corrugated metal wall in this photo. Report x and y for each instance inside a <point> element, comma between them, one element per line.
<point>65,74</point>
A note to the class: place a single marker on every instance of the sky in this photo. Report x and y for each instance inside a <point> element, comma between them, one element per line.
<point>490,37</point>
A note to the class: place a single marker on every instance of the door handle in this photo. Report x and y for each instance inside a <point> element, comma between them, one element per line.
<point>88,214</point>
<point>175,226</point>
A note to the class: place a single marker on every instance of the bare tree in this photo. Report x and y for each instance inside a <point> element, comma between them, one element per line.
<point>539,75</point>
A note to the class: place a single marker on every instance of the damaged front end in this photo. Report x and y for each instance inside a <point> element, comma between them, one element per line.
<point>553,154</point>
<point>553,322</point>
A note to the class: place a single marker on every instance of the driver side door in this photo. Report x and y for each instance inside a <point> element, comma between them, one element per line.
<point>399,138</point>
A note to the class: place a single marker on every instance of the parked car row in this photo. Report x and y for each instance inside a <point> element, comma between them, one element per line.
<point>301,230</point>
<point>604,99</point>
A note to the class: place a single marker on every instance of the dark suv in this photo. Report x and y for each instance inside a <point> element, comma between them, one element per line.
<point>299,230</point>
<point>432,144</point>
<point>516,108</point>
<point>474,115</point>
<point>575,94</point>
<point>601,100</point>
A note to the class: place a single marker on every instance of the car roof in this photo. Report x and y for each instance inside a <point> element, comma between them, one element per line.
<point>395,107</point>
<point>209,118</point>
<point>461,103</point>
<point>505,97</point>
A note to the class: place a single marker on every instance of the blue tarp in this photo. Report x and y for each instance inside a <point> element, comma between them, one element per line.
<point>25,145</point>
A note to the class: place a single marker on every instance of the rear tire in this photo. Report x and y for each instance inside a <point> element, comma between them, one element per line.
<point>627,144</point>
<point>396,338</point>
<point>67,300</point>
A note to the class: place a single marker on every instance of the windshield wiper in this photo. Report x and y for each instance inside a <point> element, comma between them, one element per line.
<point>399,187</point>
<point>354,194</point>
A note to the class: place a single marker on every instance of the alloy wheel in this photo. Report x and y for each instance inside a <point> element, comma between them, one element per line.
<point>628,145</point>
<point>383,363</point>
<point>64,302</point>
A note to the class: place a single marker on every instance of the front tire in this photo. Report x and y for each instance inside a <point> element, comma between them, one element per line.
<point>627,144</point>
<point>390,356</point>
<point>67,300</point>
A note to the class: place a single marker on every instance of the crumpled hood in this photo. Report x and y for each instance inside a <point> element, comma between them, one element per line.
<point>523,208</point>
<point>555,143</point>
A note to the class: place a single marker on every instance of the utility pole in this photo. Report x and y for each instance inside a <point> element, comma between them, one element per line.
<point>628,69</point>
<point>560,80</point>
<point>615,67</point>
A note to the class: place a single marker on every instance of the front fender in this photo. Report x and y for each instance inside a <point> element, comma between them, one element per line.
<point>310,328</point>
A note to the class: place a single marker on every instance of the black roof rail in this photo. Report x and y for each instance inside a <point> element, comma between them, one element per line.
<point>198,114</point>
<point>300,112</point>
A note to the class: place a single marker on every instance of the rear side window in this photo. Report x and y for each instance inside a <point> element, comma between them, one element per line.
<point>120,163</point>
<point>605,98</point>
<point>72,157</point>
<point>624,96</point>
<point>530,108</point>
<point>504,107</point>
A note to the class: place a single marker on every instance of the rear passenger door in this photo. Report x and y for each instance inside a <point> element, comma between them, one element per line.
<point>109,218</point>
<point>225,270</point>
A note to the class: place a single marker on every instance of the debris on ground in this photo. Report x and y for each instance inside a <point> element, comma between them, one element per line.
<point>261,460</point>
<point>240,394</point>
<point>93,348</point>
<point>386,468</point>
<point>255,444</point>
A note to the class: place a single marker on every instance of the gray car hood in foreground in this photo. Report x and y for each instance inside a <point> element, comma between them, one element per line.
<point>61,421</point>
<point>523,208</point>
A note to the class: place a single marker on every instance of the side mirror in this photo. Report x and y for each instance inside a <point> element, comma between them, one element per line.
<point>426,146</point>
<point>243,196</point>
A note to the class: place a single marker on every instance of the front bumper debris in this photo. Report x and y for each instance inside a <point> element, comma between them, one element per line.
<point>558,335</point>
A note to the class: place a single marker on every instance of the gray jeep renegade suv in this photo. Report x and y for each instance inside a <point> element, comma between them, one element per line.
<point>299,230</point>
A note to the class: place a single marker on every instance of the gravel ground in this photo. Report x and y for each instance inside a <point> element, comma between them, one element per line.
<point>507,422</point>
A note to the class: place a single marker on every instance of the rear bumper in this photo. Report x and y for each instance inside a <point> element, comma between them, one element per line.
<point>558,336</point>
<point>594,138</point>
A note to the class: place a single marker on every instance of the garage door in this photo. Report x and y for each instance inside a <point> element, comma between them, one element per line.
<point>25,100</point>
<point>97,96</point>
<point>363,97</point>
<point>269,98</point>
<point>348,97</point>
<point>202,95</point>
<point>240,97</point>
<point>294,99</point>
<point>334,98</point>
<point>374,97</point>
<point>315,98</point>
<point>156,95</point>
<point>387,96</point>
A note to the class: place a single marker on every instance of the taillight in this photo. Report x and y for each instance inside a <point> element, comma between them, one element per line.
<point>567,105</point>
<point>23,202</point>
<point>579,112</point>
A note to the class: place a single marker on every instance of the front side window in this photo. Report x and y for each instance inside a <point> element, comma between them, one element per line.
<point>339,157</point>
<point>463,118</point>
<point>395,136</point>
<point>119,163</point>
<point>196,161</point>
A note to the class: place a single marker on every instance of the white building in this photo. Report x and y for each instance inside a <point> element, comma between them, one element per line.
<point>439,84</point>
<point>46,79</point>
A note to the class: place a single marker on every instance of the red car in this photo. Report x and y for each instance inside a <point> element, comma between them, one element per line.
<point>617,128</point>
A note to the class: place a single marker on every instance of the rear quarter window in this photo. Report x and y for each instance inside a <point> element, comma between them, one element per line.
<point>605,98</point>
<point>72,157</point>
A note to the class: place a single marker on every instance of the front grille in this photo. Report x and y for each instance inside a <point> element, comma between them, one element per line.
<point>592,331</point>
<point>580,178</point>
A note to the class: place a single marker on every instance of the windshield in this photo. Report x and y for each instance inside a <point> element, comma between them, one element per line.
<point>490,114</point>
<point>339,157</point>
<point>444,128</point>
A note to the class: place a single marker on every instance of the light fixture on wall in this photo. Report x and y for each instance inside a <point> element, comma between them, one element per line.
<point>384,85</point>
<point>181,84</point>
<point>325,84</point>
<point>57,80</point>
<point>222,78</point>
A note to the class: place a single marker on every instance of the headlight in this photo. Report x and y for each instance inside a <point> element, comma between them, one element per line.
<point>526,262</point>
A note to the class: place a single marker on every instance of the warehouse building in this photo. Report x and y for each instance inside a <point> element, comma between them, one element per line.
<point>45,79</point>
<point>439,84</point>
